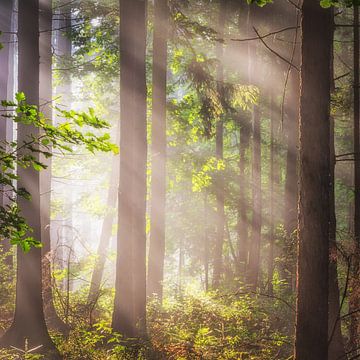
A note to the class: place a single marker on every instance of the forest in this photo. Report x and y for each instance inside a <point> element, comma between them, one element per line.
<point>179,179</point>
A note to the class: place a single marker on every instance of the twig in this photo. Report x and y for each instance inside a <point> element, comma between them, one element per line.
<point>274,52</point>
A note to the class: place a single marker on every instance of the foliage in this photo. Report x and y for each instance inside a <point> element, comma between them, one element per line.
<point>42,138</point>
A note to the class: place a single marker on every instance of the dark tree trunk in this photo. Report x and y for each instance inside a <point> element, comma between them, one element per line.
<point>29,320</point>
<point>45,94</point>
<point>158,165</point>
<point>354,302</point>
<point>6,89</point>
<point>129,317</point>
<point>105,236</point>
<point>314,203</point>
<point>219,151</point>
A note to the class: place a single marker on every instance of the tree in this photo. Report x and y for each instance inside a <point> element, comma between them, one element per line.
<point>129,317</point>
<point>219,151</point>
<point>105,235</point>
<point>314,203</point>
<point>6,89</point>
<point>256,222</point>
<point>29,321</point>
<point>158,165</point>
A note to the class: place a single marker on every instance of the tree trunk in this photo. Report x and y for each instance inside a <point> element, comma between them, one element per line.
<point>158,165</point>
<point>29,320</point>
<point>105,236</point>
<point>242,220</point>
<point>6,90</point>
<point>291,180</point>
<point>129,317</point>
<point>314,203</point>
<point>254,248</point>
<point>219,151</point>
<point>336,342</point>
<point>45,176</point>
<point>272,196</point>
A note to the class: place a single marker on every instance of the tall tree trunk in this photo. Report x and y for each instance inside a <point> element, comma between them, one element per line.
<point>219,151</point>
<point>45,94</point>
<point>254,248</point>
<point>242,220</point>
<point>272,196</point>
<point>314,203</point>
<point>158,165</point>
<point>336,342</point>
<point>291,179</point>
<point>206,241</point>
<point>29,320</point>
<point>129,317</point>
<point>6,89</point>
<point>355,295</point>
<point>105,236</point>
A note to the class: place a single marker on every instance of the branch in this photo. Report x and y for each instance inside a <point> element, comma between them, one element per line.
<point>274,52</point>
<point>268,34</point>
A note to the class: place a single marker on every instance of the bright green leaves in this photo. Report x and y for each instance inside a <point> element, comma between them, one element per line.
<point>203,178</point>
<point>260,3</point>
<point>78,129</point>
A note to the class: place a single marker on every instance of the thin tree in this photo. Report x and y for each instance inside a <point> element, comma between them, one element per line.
<point>45,94</point>
<point>129,317</point>
<point>158,164</point>
<point>105,236</point>
<point>219,151</point>
<point>6,89</point>
<point>314,203</point>
<point>29,321</point>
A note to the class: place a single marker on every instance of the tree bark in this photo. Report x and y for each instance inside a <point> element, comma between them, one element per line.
<point>29,320</point>
<point>45,94</point>
<point>6,90</point>
<point>314,203</point>
<point>256,222</point>
<point>105,236</point>
<point>219,151</point>
<point>129,317</point>
<point>158,165</point>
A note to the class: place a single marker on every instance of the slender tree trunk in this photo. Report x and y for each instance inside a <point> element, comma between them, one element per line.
<point>129,317</point>
<point>45,94</point>
<point>272,197</point>
<point>336,342</point>
<point>105,236</point>
<point>29,320</point>
<point>219,150</point>
<point>354,297</point>
<point>158,166</point>
<point>254,248</point>
<point>206,241</point>
<point>314,204</point>
<point>291,180</point>
<point>244,137</point>
<point>242,221</point>
<point>6,88</point>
